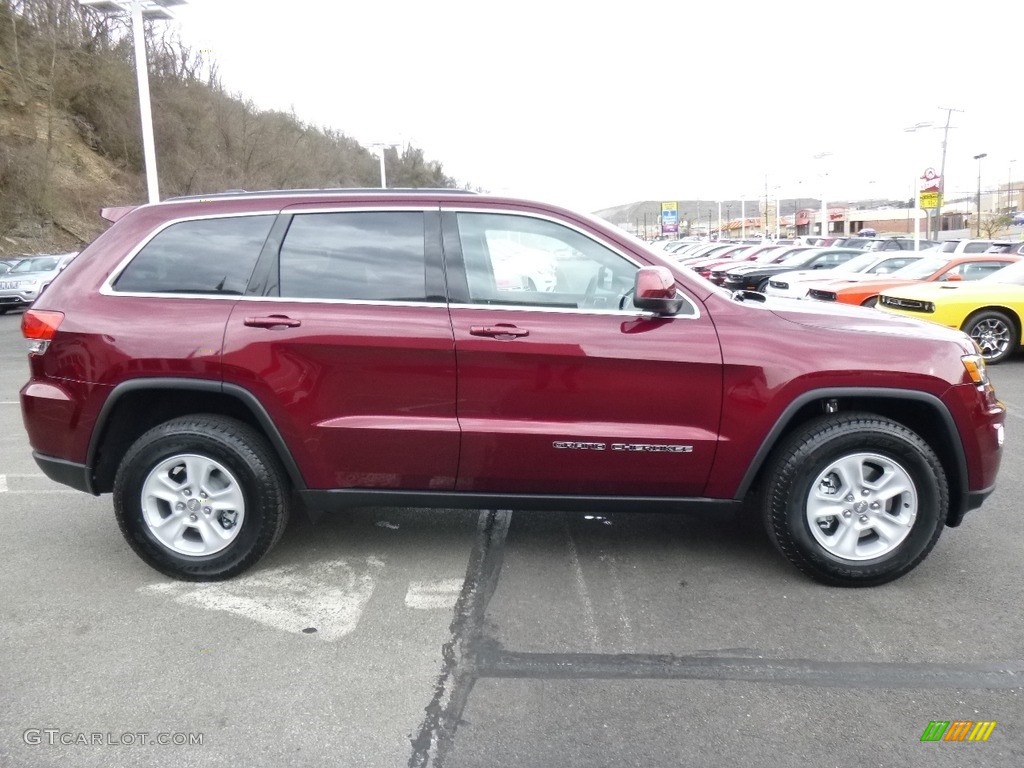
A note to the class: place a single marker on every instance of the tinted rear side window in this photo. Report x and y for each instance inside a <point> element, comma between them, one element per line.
<point>369,256</point>
<point>203,256</point>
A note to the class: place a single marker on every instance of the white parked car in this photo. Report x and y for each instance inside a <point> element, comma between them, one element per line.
<point>522,268</point>
<point>794,285</point>
<point>23,283</point>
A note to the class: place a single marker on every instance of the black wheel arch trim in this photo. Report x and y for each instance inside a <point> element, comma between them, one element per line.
<point>958,506</point>
<point>247,398</point>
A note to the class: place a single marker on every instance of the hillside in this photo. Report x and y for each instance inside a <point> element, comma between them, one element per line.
<point>70,141</point>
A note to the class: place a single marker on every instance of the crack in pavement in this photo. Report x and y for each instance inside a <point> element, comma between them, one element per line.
<point>432,743</point>
<point>493,662</point>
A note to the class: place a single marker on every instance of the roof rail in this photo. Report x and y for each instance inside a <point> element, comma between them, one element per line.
<point>328,191</point>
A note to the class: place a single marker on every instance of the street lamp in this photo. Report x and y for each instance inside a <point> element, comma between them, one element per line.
<point>824,205</point>
<point>1009,187</point>
<point>977,203</point>
<point>915,189</point>
<point>139,10</point>
<point>382,147</point>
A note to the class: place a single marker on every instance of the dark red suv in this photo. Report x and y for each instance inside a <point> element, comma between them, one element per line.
<point>210,360</point>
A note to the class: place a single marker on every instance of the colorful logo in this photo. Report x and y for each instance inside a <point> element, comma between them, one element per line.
<point>958,730</point>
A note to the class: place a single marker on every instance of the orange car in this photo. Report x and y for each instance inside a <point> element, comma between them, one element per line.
<point>864,289</point>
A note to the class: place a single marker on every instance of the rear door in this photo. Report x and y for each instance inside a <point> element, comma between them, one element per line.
<point>563,390</point>
<point>346,340</point>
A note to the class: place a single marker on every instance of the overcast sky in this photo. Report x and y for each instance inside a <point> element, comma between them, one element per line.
<point>597,104</point>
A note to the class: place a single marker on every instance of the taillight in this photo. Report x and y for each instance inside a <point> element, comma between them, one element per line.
<point>39,327</point>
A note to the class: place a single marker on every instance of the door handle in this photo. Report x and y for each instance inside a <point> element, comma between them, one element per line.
<point>272,321</point>
<point>498,331</point>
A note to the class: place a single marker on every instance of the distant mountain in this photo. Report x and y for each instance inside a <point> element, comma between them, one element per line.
<point>700,210</point>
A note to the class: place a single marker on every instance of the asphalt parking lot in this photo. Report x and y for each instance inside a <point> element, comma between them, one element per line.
<point>404,637</point>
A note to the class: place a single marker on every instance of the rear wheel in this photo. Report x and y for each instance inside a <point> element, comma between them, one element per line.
<point>201,497</point>
<point>855,500</point>
<point>995,333</point>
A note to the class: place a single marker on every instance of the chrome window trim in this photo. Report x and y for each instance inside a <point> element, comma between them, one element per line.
<point>635,313</point>
<point>567,310</point>
<point>358,302</point>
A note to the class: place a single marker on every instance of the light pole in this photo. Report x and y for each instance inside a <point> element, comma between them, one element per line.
<point>1009,187</point>
<point>139,10</point>
<point>824,205</point>
<point>915,189</point>
<point>719,221</point>
<point>383,146</point>
<point>977,202</point>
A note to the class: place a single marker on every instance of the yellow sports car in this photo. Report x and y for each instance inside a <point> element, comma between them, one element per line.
<point>988,310</point>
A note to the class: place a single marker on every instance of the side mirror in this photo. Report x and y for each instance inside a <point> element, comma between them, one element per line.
<point>654,289</point>
<point>953,278</point>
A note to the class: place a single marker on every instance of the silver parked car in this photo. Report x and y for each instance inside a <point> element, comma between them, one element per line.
<point>20,286</point>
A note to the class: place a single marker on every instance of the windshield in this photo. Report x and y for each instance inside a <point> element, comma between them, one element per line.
<point>1011,275</point>
<point>858,263</point>
<point>36,264</point>
<point>920,269</point>
<point>772,254</point>
<point>798,259</point>
<point>948,247</point>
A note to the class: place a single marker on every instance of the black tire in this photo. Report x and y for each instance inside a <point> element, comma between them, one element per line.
<point>871,441</point>
<point>870,302</point>
<point>762,286</point>
<point>995,333</point>
<point>247,459</point>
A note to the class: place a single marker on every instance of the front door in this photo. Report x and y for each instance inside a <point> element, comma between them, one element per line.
<point>561,389</point>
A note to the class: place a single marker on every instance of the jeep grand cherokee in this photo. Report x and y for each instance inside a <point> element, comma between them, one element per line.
<point>207,360</point>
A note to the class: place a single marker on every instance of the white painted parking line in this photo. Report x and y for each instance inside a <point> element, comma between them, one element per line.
<point>324,599</point>
<point>581,589</point>
<point>440,593</point>
<point>48,487</point>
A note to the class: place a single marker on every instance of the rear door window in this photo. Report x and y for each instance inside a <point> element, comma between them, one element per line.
<point>356,256</point>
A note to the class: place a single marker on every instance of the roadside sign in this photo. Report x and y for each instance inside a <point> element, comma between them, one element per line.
<point>930,195</point>
<point>669,218</point>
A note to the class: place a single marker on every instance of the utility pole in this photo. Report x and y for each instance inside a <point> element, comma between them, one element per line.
<point>942,169</point>
<point>766,208</point>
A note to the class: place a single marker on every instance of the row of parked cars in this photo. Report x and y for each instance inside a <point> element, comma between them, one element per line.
<point>22,279</point>
<point>975,285</point>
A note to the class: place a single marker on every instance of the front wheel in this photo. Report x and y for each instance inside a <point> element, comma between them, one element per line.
<point>201,497</point>
<point>855,500</point>
<point>995,333</point>
<point>870,302</point>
